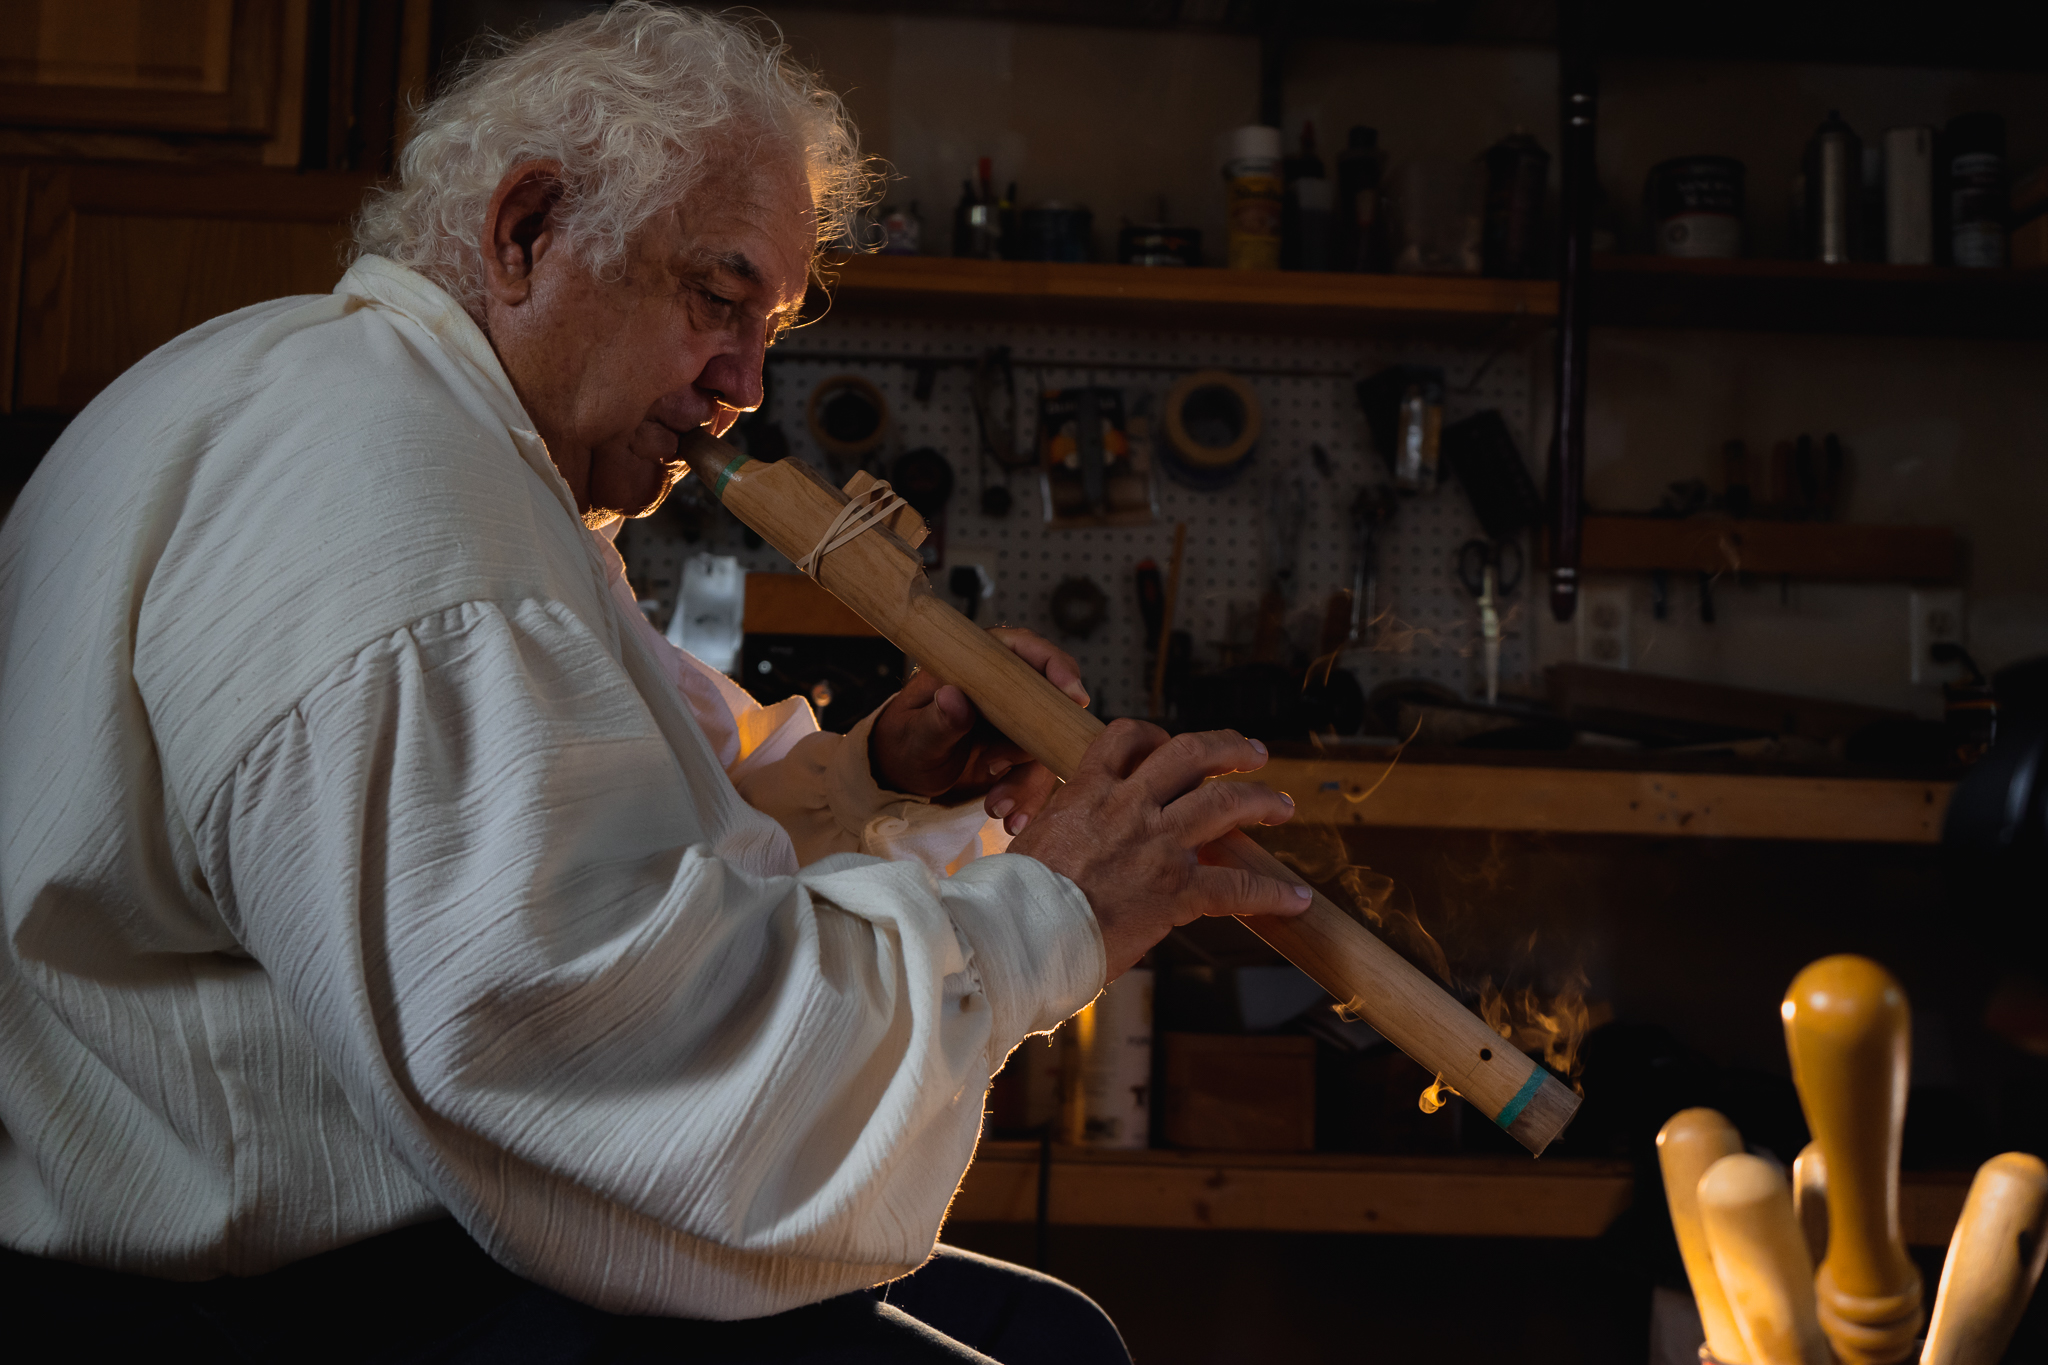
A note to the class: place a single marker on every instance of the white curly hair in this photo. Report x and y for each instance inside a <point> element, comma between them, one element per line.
<point>633,103</point>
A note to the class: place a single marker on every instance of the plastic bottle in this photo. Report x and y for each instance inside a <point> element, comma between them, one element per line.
<point>1252,198</point>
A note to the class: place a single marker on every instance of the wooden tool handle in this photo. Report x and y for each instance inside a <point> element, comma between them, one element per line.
<point>1994,1260</point>
<point>880,578</point>
<point>1689,1142</point>
<point>1760,1259</point>
<point>1810,1199</point>
<point>1849,1034</point>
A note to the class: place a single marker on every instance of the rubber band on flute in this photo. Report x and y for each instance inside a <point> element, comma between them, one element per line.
<point>872,507</point>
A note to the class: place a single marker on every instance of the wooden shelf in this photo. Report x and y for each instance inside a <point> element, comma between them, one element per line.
<point>1142,296</point>
<point>1604,801</point>
<point>1836,551</point>
<point>1637,291</point>
<point>1431,1196</point>
<point>1807,296</point>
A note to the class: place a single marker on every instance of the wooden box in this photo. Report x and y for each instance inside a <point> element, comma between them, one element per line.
<point>1225,1092</point>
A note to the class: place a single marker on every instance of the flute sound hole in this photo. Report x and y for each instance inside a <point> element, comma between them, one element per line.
<point>1486,1054</point>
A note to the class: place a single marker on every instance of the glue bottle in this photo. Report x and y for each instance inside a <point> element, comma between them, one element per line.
<point>1252,198</point>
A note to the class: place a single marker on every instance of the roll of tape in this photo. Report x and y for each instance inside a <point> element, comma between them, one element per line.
<point>838,423</point>
<point>1212,419</point>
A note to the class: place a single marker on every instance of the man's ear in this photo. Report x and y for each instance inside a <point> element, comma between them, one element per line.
<point>520,228</point>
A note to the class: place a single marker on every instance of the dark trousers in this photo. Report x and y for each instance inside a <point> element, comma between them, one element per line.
<point>428,1295</point>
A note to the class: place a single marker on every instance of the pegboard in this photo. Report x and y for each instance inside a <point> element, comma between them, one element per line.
<point>1431,623</point>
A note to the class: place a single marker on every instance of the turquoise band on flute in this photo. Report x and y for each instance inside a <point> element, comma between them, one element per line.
<point>725,476</point>
<point>1512,1110</point>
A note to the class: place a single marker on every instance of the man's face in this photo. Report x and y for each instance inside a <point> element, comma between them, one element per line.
<point>613,370</point>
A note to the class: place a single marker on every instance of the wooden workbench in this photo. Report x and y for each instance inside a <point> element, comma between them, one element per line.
<point>1437,1196</point>
<point>1429,794</point>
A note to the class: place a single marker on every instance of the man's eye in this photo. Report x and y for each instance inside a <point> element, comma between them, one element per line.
<point>717,300</point>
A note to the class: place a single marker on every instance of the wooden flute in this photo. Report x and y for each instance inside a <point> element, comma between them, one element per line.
<point>879,576</point>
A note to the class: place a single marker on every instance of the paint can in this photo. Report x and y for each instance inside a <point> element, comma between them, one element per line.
<point>1695,206</point>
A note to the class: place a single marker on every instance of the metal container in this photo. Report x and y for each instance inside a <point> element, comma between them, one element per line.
<point>1834,190</point>
<point>1909,196</point>
<point>1695,206</point>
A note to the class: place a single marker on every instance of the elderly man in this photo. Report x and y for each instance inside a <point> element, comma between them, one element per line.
<point>367,861</point>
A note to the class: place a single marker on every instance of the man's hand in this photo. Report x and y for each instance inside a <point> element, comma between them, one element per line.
<point>931,741</point>
<point>1127,829</point>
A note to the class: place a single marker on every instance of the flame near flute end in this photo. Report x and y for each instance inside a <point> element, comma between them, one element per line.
<point>1549,1026</point>
<point>1537,1008</point>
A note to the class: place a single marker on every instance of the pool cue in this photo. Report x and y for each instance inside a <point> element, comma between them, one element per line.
<point>1689,1142</point>
<point>1847,1028</point>
<point>1760,1258</point>
<point>881,580</point>
<point>1994,1261</point>
<point>1810,1198</point>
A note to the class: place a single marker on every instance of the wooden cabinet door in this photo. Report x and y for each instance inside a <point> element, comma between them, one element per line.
<point>176,66</point>
<point>117,261</point>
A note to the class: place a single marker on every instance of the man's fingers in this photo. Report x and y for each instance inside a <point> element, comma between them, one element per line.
<point>1214,809</point>
<point>1060,668</point>
<point>1234,891</point>
<point>919,690</point>
<point>1184,762</point>
<point>918,733</point>
<point>1020,795</point>
<point>1119,749</point>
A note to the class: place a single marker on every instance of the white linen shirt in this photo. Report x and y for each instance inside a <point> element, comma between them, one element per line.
<point>365,855</point>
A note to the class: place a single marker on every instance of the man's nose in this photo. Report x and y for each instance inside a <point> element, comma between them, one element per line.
<point>734,377</point>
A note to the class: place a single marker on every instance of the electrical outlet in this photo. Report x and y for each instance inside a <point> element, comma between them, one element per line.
<point>1933,616</point>
<point>1603,626</point>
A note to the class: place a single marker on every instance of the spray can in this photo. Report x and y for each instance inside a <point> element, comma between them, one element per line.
<point>1909,196</point>
<point>1834,190</point>
<point>1252,189</point>
<point>1977,190</point>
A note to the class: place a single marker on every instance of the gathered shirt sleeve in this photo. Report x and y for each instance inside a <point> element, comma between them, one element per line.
<point>818,786</point>
<point>638,1068</point>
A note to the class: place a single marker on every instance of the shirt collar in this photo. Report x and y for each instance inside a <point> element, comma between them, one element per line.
<point>384,283</point>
